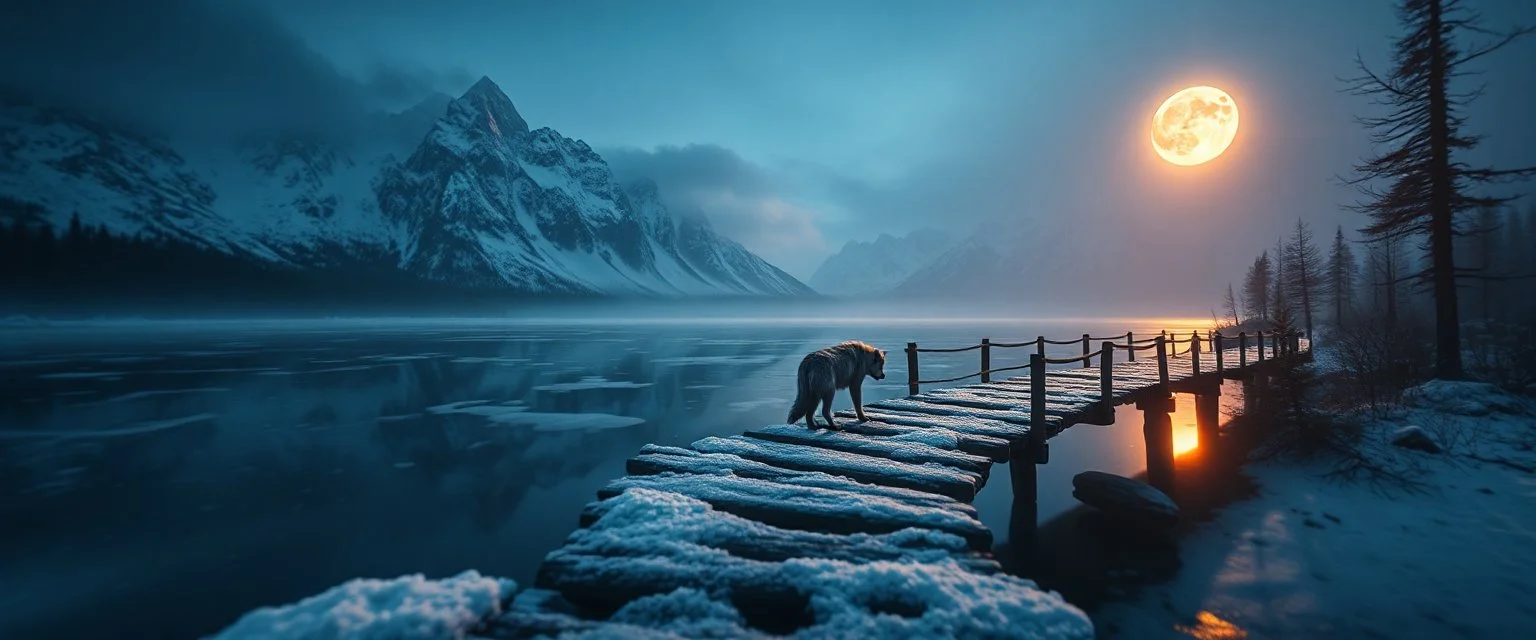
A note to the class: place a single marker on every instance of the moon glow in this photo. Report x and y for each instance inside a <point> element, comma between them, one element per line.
<point>1194,126</point>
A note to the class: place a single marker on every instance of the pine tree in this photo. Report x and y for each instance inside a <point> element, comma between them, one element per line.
<point>1277,286</point>
<point>1427,184</point>
<point>1341,270</point>
<point>1231,305</point>
<point>1304,272</point>
<point>1256,287</point>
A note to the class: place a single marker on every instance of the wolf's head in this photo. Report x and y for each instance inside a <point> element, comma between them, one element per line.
<point>876,363</point>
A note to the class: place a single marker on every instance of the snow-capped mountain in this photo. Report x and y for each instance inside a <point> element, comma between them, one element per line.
<point>870,268</point>
<point>479,200</point>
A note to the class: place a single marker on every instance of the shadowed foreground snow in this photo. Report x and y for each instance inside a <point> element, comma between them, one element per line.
<point>406,607</point>
<point>1309,558</point>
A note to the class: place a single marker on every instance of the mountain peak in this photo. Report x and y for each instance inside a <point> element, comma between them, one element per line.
<point>486,104</point>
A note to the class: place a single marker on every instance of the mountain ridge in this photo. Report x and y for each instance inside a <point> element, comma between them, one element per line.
<point>480,200</point>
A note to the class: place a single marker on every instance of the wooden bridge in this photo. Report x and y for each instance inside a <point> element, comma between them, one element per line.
<point>782,520</point>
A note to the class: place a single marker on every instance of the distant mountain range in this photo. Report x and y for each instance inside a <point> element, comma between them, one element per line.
<point>479,200</point>
<point>877,267</point>
<point>994,264</point>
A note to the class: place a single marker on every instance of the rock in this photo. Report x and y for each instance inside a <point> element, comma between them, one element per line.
<point>1413,437</point>
<point>1125,498</point>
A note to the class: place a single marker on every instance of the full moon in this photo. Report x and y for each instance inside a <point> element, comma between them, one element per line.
<point>1194,126</point>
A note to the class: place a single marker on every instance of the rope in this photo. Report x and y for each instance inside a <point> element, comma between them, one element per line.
<point>954,350</point>
<point>1065,342</point>
<point>1147,340</point>
<point>1009,345</point>
<point>1130,348</point>
<point>1106,338</point>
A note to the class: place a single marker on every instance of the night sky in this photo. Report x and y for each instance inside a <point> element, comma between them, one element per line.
<point>798,126</point>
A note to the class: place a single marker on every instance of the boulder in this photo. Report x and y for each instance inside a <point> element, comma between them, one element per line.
<point>1413,437</point>
<point>1124,498</point>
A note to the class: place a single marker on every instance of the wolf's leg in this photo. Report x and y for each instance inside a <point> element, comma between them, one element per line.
<point>856,391</point>
<point>826,410</point>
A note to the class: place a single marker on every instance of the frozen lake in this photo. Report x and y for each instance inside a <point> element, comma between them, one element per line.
<point>160,479</point>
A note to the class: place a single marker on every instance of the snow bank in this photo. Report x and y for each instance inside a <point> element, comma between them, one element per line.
<point>1463,398</point>
<point>399,609</point>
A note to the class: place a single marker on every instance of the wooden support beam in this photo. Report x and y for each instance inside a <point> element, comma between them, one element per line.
<point>1107,376</point>
<point>1208,419</point>
<point>986,360</point>
<point>1157,429</point>
<point>1261,346</point>
<point>912,369</point>
<point>1217,347</point>
<point>1242,349</point>
<point>1086,363</point>
<point>1162,361</point>
<point>1130,341</point>
<point>1194,351</point>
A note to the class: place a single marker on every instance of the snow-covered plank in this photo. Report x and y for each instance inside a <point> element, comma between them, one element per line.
<point>718,596</point>
<point>955,422</point>
<point>919,405</point>
<point>807,508</point>
<point>989,447</point>
<point>946,481</point>
<point>642,522</point>
<point>890,448</point>
<point>656,459</point>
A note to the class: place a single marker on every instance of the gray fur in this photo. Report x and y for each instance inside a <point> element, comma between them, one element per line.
<point>823,372</point>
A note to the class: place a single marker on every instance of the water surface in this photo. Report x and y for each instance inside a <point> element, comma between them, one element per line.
<point>166,477</point>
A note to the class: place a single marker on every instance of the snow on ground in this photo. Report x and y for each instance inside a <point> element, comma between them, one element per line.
<point>1319,559</point>
<point>400,609</point>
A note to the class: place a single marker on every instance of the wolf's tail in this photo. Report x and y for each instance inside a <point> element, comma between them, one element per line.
<point>805,401</point>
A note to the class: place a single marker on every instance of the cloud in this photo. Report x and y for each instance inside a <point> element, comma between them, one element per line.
<point>182,65</point>
<point>745,201</point>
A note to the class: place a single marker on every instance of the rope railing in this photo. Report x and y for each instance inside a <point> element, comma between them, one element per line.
<point>1010,345</point>
<point>1167,347</point>
<point>950,350</point>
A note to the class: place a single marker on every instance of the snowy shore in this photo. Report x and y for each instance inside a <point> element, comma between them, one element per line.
<point>1452,557</point>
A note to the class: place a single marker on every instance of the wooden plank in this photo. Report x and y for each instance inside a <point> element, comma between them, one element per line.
<point>890,448</point>
<point>691,527</point>
<point>808,508</point>
<point>990,447</point>
<point>960,423</point>
<point>1001,398</point>
<point>918,405</point>
<point>946,481</point>
<point>654,459</point>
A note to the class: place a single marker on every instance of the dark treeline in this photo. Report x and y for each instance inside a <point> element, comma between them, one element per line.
<point>88,269</point>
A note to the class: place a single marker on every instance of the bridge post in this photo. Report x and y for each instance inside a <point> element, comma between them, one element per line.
<point>1261,346</point>
<point>1086,363</point>
<point>1157,429</point>
<point>1242,349</point>
<point>1194,351</point>
<point>912,369</point>
<point>1216,347</point>
<point>1162,362</point>
<point>986,360</point>
<point>1039,349</point>
<point>1025,518</point>
<point>1208,417</point>
<point>1107,372</point>
<point>1037,433</point>
<point>1130,341</point>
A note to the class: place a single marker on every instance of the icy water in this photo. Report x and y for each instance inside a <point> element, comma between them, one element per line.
<point>158,480</point>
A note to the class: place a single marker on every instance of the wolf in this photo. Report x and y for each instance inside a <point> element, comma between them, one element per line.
<point>823,372</point>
